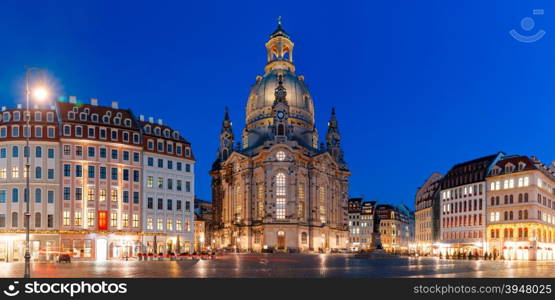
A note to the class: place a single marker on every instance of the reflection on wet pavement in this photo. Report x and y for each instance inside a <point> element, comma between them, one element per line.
<point>288,266</point>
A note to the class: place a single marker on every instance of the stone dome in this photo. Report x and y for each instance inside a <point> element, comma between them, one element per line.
<point>261,97</point>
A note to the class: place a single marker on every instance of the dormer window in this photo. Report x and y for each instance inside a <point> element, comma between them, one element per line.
<point>94,118</point>
<point>16,116</point>
<point>71,115</point>
<point>75,109</point>
<point>150,145</point>
<point>118,115</point>
<point>147,129</point>
<point>50,117</point>
<point>521,166</point>
<point>157,130</point>
<point>106,119</point>
<point>167,133</point>
<point>176,135</point>
<point>117,121</point>
<point>128,122</point>
<point>6,117</point>
<point>83,116</point>
<point>188,152</point>
<point>38,116</point>
<point>87,110</point>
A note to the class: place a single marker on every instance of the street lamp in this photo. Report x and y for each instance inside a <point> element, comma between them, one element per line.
<point>40,93</point>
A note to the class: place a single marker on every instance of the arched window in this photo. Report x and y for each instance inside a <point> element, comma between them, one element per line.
<point>281,129</point>
<point>525,197</point>
<point>238,203</point>
<point>281,194</point>
<point>38,152</point>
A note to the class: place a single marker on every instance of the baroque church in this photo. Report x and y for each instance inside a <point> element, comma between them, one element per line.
<point>279,189</point>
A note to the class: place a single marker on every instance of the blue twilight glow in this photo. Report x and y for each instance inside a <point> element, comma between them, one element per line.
<point>418,85</point>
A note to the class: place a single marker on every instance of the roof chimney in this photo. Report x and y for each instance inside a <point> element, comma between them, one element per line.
<point>72,99</point>
<point>94,101</point>
<point>36,106</point>
<point>19,106</point>
<point>150,119</point>
<point>115,105</point>
<point>141,118</point>
<point>3,108</point>
<point>160,122</point>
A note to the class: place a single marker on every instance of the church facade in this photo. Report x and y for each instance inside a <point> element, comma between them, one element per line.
<point>279,188</point>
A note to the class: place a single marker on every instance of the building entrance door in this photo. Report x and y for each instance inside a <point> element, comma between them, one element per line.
<point>101,249</point>
<point>281,240</point>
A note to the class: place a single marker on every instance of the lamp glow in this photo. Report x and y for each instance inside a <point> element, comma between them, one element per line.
<point>40,93</point>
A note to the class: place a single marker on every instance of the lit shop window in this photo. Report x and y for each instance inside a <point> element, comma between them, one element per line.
<point>511,183</point>
<point>125,220</point>
<point>526,181</point>
<point>114,219</point>
<point>78,218</point>
<point>149,223</point>
<point>66,218</point>
<point>135,220</point>
<point>178,226</point>
<point>160,224</point>
<point>90,219</point>
<point>169,226</point>
<point>520,182</point>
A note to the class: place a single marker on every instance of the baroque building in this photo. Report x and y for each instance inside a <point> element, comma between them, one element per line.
<point>92,192</point>
<point>279,188</point>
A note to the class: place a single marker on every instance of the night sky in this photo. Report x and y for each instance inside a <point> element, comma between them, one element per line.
<point>418,85</point>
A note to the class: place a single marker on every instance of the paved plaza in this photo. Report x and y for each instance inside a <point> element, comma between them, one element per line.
<point>288,266</point>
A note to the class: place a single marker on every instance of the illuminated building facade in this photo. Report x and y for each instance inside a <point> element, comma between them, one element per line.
<point>463,207</point>
<point>44,183</point>
<point>87,196</point>
<point>168,186</point>
<point>427,215</point>
<point>393,228</point>
<point>101,181</point>
<point>521,209</point>
<point>361,224</point>
<point>279,189</point>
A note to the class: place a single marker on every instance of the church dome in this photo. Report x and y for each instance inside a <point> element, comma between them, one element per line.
<point>261,97</point>
<point>279,49</point>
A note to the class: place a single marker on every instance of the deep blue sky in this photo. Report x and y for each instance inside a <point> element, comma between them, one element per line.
<point>418,85</point>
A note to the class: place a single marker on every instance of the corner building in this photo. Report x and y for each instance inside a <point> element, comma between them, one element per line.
<point>521,209</point>
<point>279,189</point>
<point>44,180</point>
<point>168,187</point>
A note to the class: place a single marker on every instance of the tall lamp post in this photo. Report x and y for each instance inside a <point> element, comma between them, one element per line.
<point>40,93</point>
